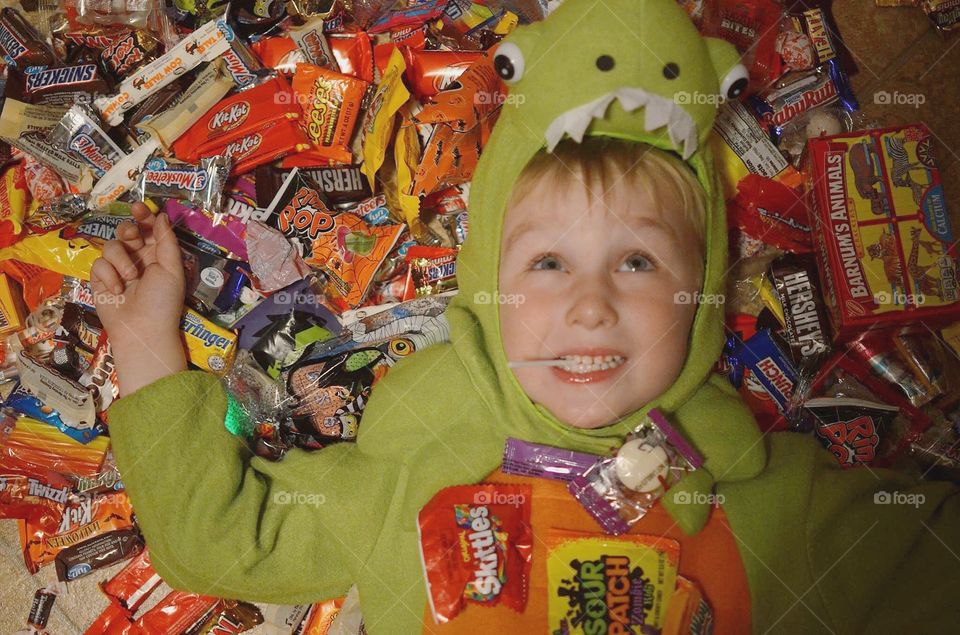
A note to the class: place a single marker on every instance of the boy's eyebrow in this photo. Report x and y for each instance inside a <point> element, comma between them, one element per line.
<point>644,222</point>
<point>521,229</point>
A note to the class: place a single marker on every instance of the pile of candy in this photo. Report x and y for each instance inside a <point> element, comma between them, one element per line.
<point>315,157</point>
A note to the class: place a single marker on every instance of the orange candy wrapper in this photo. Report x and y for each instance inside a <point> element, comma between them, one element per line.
<point>33,447</point>
<point>82,519</point>
<point>350,254</point>
<point>331,105</point>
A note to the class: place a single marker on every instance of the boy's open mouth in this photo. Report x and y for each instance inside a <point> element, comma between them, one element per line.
<point>583,364</point>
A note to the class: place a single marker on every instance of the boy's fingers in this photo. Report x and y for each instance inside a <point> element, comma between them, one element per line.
<point>168,250</point>
<point>116,254</point>
<point>106,277</point>
<point>145,219</point>
<point>129,234</point>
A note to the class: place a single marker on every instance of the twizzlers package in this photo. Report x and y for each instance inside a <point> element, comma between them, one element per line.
<point>882,230</point>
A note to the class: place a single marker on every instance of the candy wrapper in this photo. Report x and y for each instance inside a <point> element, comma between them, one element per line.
<point>543,461</point>
<point>87,518</point>
<point>237,117</point>
<point>201,185</point>
<point>601,584</point>
<point>769,211</point>
<point>405,327</point>
<point>617,491</point>
<point>850,428</point>
<point>274,261</point>
<point>225,231</point>
<point>331,106</point>
<point>350,254</point>
<point>303,298</point>
<point>80,130</point>
<point>330,394</point>
<point>475,547</point>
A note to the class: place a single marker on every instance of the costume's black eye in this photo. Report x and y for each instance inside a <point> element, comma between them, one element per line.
<point>735,82</point>
<point>671,70</point>
<point>508,62</point>
<point>605,62</point>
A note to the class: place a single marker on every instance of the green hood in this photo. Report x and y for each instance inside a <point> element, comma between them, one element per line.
<point>560,74</point>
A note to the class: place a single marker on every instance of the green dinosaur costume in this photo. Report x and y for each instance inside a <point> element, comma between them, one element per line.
<point>819,555</point>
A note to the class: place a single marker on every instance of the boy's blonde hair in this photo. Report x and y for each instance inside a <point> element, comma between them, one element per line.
<point>600,162</point>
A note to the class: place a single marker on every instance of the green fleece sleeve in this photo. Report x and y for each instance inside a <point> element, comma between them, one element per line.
<point>829,550</point>
<point>885,550</point>
<point>221,521</point>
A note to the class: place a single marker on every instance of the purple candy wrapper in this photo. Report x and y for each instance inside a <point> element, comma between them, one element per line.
<point>224,230</point>
<point>303,296</point>
<point>597,506</point>
<point>692,456</point>
<point>543,461</point>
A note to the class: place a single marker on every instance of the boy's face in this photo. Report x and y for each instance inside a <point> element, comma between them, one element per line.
<point>604,277</point>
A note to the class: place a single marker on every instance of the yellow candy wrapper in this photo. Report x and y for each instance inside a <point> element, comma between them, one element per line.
<point>609,584</point>
<point>209,346</point>
<point>70,257</point>
<point>377,124</point>
<point>12,310</point>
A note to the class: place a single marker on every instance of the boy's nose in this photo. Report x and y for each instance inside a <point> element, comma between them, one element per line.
<point>592,308</point>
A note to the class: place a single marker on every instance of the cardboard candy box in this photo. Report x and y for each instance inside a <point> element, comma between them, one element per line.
<point>881,228</point>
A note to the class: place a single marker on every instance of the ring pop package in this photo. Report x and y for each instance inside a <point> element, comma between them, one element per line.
<point>617,491</point>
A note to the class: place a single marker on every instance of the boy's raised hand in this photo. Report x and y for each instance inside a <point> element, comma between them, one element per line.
<point>138,286</point>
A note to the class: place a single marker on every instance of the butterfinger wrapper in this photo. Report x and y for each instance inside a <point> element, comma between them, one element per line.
<point>209,346</point>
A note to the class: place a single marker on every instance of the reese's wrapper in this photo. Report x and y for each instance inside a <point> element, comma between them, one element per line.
<point>331,104</point>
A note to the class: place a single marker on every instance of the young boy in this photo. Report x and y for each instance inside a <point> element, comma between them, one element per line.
<point>589,256</point>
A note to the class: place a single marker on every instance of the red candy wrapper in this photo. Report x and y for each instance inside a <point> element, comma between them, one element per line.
<point>236,117</point>
<point>768,210</point>
<point>476,545</point>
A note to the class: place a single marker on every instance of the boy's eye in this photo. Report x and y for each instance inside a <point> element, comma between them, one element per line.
<point>547,262</point>
<point>636,262</point>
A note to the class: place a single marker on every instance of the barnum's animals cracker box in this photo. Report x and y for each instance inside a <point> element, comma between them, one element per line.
<point>881,229</point>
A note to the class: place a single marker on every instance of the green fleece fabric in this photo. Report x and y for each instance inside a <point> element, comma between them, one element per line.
<point>221,521</point>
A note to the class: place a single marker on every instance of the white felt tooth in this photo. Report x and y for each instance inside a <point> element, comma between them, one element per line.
<point>657,114</point>
<point>690,143</point>
<point>632,98</point>
<point>679,126</point>
<point>555,132</point>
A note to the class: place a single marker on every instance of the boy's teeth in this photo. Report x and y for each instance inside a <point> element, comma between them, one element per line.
<point>591,363</point>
